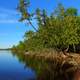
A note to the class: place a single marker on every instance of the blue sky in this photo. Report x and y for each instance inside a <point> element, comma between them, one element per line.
<point>12,31</point>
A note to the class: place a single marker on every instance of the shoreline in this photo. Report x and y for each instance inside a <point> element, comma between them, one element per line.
<point>53,62</point>
<point>58,63</point>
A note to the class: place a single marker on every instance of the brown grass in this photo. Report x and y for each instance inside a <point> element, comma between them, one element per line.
<point>59,64</point>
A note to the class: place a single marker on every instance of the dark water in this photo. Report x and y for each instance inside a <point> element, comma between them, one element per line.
<point>12,69</point>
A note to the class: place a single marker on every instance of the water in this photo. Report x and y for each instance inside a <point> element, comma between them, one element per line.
<point>12,69</point>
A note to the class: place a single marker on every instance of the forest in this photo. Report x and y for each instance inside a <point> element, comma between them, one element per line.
<point>59,30</point>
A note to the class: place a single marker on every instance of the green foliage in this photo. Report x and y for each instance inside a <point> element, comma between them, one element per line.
<point>25,15</point>
<point>59,30</point>
<point>71,12</point>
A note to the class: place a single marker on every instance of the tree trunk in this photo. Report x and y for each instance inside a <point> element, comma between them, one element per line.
<point>32,25</point>
<point>65,51</point>
<point>74,48</point>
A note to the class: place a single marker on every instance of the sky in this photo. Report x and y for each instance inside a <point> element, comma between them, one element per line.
<point>11,30</point>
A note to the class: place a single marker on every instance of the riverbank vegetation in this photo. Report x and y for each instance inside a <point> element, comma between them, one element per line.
<point>59,30</point>
<point>53,34</point>
<point>51,65</point>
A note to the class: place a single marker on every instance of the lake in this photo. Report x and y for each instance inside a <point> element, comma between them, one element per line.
<point>12,69</point>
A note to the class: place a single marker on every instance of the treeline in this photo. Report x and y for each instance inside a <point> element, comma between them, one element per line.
<point>59,30</point>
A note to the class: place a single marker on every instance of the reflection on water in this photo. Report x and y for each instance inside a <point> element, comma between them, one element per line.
<point>47,68</point>
<point>44,69</point>
<point>12,69</point>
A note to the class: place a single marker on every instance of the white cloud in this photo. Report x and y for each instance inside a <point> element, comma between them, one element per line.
<point>3,16</point>
<point>8,11</point>
<point>8,16</point>
<point>9,21</point>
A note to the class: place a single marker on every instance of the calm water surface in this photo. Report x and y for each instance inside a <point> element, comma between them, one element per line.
<point>12,69</point>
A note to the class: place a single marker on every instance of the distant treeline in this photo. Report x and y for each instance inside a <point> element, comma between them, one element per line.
<point>6,49</point>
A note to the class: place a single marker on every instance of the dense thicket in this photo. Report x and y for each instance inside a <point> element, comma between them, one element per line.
<point>59,30</point>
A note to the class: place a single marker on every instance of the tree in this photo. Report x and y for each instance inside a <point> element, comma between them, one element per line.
<point>59,30</point>
<point>25,15</point>
<point>71,12</point>
<point>29,34</point>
